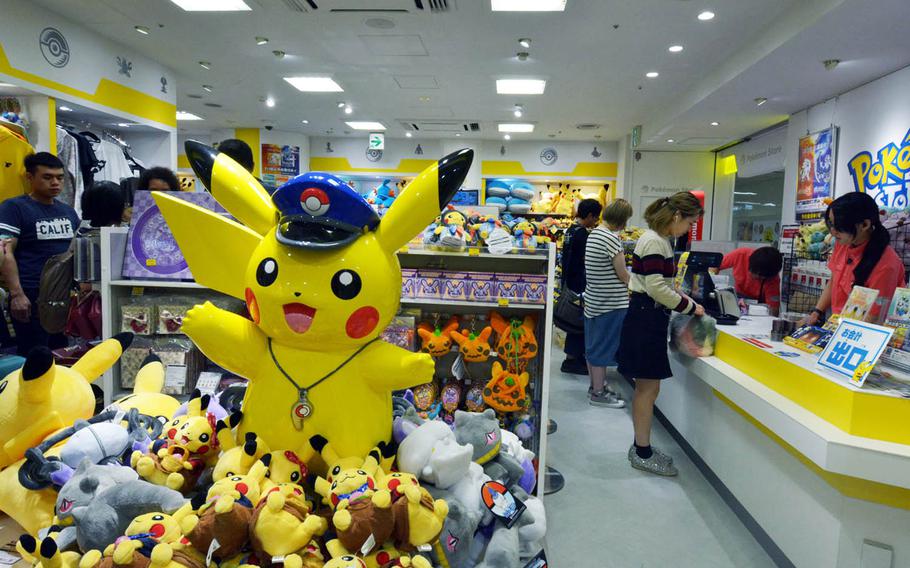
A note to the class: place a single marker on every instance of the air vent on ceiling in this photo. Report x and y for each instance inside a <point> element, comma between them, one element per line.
<point>587,126</point>
<point>375,6</point>
<point>440,126</point>
<point>212,105</point>
<point>192,96</point>
<point>302,6</point>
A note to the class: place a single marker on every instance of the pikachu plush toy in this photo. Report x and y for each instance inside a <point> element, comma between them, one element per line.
<point>321,279</point>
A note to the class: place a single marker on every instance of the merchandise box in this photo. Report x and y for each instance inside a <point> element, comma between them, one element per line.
<point>408,282</point>
<point>429,284</point>
<point>510,287</point>
<point>151,251</point>
<point>455,286</point>
<point>482,286</point>
<point>535,288</point>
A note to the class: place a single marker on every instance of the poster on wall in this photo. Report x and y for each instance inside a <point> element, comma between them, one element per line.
<point>279,163</point>
<point>815,184</point>
<point>884,173</point>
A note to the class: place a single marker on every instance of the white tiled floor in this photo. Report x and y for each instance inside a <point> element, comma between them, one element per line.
<point>612,516</point>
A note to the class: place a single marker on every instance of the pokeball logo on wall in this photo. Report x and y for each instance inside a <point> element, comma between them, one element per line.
<point>54,47</point>
<point>314,201</point>
<point>548,156</point>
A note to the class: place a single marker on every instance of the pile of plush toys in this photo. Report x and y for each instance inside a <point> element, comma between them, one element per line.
<point>305,473</point>
<point>383,196</point>
<point>509,196</point>
<point>456,231</point>
<point>814,241</point>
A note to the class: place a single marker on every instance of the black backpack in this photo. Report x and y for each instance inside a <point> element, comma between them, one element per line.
<point>55,291</point>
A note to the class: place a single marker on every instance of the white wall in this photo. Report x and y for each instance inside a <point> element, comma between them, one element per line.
<point>36,110</point>
<point>660,174</point>
<point>869,118</point>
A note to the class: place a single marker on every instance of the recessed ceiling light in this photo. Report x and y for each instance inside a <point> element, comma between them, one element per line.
<point>760,101</point>
<point>212,5</point>
<point>269,102</point>
<point>525,42</point>
<point>183,115</point>
<point>305,121</point>
<point>348,109</point>
<point>520,86</point>
<point>670,140</point>
<point>205,64</point>
<point>518,112</point>
<point>310,84</point>
<point>652,74</point>
<point>424,99</point>
<point>507,137</point>
<point>279,54</point>
<point>123,124</point>
<point>207,88</point>
<point>141,29</point>
<point>706,15</point>
<point>65,109</point>
<point>341,104</point>
<point>365,125</point>
<point>515,127</point>
<point>715,123</point>
<point>408,134</point>
<point>528,5</point>
<point>675,48</point>
<point>261,40</point>
<point>457,134</point>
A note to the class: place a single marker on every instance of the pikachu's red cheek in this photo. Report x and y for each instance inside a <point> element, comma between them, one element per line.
<point>362,322</point>
<point>252,305</point>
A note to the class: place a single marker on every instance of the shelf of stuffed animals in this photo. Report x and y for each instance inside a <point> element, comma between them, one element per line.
<point>472,305</point>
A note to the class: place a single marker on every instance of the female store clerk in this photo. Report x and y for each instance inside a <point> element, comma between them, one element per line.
<point>862,255</point>
<point>756,274</point>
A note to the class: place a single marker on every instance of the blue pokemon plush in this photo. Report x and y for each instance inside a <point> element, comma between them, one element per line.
<point>385,195</point>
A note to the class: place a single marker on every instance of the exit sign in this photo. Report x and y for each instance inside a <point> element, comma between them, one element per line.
<point>377,141</point>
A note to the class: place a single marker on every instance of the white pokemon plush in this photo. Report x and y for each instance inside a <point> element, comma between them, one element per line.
<point>431,453</point>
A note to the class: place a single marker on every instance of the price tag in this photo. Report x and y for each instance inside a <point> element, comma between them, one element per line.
<point>458,368</point>
<point>175,377</point>
<point>151,262</point>
<point>208,382</point>
<point>138,290</point>
<point>473,252</point>
<point>212,549</point>
<point>368,544</point>
<point>503,302</point>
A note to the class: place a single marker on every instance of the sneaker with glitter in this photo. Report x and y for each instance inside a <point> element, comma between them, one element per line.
<point>653,449</point>
<point>606,399</point>
<point>658,464</point>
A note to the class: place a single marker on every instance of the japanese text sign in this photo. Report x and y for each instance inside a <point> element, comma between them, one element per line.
<point>854,349</point>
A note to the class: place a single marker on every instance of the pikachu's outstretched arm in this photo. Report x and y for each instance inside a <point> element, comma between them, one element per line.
<point>394,368</point>
<point>230,340</point>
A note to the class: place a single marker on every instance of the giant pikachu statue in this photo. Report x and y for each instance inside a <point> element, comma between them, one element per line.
<point>321,279</point>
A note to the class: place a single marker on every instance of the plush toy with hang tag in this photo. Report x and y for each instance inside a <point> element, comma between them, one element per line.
<point>474,347</point>
<point>144,533</point>
<point>516,339</point>
<point>437,340</point>
<point>320,275</point>
<point>418,516</point>
<point>506,391</point>
<point>282,526</point>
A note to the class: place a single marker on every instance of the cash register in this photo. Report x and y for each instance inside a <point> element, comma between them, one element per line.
<point>720,303</point>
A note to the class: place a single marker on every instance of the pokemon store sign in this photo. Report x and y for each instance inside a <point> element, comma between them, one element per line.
<point>884,175</point>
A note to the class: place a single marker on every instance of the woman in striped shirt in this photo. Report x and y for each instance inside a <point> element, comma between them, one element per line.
<point>643,346</point>
<point>606,298</point>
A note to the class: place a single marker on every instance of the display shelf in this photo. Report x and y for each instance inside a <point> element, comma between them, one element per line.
<point>536,256</point>
<point>157,284</point>
<point>470,304</point>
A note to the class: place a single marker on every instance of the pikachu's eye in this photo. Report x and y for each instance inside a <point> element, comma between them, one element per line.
<point>346,284</point>
<point>267,272</point>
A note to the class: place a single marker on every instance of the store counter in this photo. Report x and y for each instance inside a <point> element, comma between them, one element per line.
<point>820,465</point>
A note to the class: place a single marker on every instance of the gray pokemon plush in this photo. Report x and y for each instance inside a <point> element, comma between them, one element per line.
<point>104,499</point>
<point>454,546</point>
<point>481,431</point>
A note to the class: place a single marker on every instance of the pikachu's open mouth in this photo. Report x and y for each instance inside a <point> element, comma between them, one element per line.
<point>299,317</point>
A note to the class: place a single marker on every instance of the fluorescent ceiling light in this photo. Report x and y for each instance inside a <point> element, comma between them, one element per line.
<point>675,48</point>
<point>65,109</point>
<point>760,101</point>
<point>652,74</point>
<point>516,127</point>
<point>270,102</point>
<point>141,29</point>
<point>207,88</point>
<point>706,15</point>
<point>528,5</point>
<point>715,123</point>
<point>183,115</point>
<point>520,86</point>
<point>365,125</point>
<point>212,5</point>
<point>744,193</point>
<point>205,64</point>
<point>524,42</point>
<point>348,110</point>
<point>315,84</point>
<point>670,140</point>
<point>305,121</point>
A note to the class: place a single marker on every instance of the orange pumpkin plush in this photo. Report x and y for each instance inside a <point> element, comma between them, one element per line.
<point>516,338</point>
<point>474,348</point>
<point>506,391</point>
<point>437,340</point>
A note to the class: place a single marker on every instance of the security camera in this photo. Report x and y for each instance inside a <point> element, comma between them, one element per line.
<point>269,127</point>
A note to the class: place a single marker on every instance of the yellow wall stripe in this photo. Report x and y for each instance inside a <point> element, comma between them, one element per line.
<point>854,487</point>
<point>855,412</point>
<point>492,168</point>
<point>52,124</point>
<point>405,167</point>
<point>107,93</point>
<point>251,137</point>
<point>183,163</point>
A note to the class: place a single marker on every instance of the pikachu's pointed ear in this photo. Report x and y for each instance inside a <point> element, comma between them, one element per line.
<point>422,200</point>
<point>216,249</point>
<point>103,356</point>
<point>235,188</point>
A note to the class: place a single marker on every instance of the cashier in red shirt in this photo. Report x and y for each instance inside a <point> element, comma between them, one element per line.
<point>862,255</point>
<point>756,274</point>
